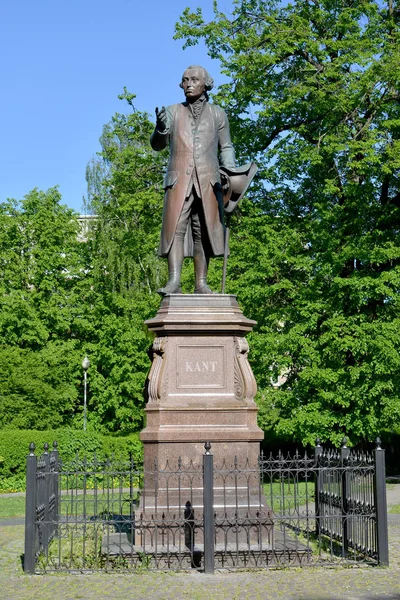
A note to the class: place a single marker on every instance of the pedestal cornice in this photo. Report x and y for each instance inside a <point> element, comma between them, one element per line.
<point>200,314</point>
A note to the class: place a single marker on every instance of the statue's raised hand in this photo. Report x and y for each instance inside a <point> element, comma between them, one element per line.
<point>161,116</point>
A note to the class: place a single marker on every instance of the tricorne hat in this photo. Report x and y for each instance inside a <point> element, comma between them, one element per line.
<point>235,182</point>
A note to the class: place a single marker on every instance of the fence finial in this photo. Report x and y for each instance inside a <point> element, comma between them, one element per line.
<point>55,445</point>
<point>32,448</point>
<point>378,443</point>
<point>207,447</point>
<point>344,442</point>
<point>46,448</point>
<point>318,442</point>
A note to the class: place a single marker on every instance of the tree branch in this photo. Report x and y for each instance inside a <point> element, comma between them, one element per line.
<point>281,129</point>
<point>304,54</point>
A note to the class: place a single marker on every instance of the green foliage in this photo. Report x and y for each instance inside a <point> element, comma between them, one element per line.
<point>40,266</point>
<point>313,96</point>
<point>12,483</point>
<point>125,192</point>
<point>14,447</point>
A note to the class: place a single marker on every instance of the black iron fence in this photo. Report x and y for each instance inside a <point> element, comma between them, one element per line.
<point>324,508</point>
<point>42,503</point>
<point>350,500</point>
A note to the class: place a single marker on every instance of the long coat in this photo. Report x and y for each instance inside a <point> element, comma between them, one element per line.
<point>194,149</point>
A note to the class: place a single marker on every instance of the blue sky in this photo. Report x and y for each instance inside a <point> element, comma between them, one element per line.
<point>63,64</point>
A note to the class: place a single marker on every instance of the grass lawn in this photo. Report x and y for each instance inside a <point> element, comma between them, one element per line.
<point>275,493</point>
<point>72,505</point>
<point>12,507</point>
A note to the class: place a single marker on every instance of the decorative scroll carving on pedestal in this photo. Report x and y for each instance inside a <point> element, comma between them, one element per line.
<point>157,376</point>
<point>245,383</point>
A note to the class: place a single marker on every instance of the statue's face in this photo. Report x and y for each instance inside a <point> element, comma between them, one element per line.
<point>193,84</point>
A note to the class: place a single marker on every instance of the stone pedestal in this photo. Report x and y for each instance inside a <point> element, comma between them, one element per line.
<point>200,387</point>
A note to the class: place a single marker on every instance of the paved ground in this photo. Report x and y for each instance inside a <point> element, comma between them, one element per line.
<point>314,583</point>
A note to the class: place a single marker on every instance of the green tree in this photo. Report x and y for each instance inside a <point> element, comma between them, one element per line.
<point>313,95</point>
<point>40,309</point>
<point>125,192</point>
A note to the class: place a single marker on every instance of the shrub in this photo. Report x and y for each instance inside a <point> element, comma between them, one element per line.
<point>14,447</point>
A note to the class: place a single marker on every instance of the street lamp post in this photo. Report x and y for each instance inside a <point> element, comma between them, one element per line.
<point>85,366</point>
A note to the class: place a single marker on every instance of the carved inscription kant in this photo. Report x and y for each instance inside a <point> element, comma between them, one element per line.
<point>201,366</point>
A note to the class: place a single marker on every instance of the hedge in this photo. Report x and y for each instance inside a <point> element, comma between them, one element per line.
<point>14,447</point>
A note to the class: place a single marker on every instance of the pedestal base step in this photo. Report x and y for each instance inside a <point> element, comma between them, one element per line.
<point>242,555</point>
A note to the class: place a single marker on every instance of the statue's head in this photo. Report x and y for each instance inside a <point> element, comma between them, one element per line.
<point>195,82</point>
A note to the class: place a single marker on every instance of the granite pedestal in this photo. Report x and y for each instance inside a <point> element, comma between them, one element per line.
<point>200,389</point>
<point>201,386</point>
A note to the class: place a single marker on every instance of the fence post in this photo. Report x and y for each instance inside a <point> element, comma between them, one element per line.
<point>381,505</point>
<point>131,510</point>
<point>344,455</point>
<point>317,454</point>
<point>56,491</point>
<point>30,511</point>
<point>46,518</point>
<point>208,508</point>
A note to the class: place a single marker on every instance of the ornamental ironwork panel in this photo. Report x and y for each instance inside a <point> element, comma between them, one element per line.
<point>327,507</point>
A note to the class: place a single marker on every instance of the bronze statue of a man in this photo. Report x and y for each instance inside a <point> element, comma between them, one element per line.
<point>197,133</point>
